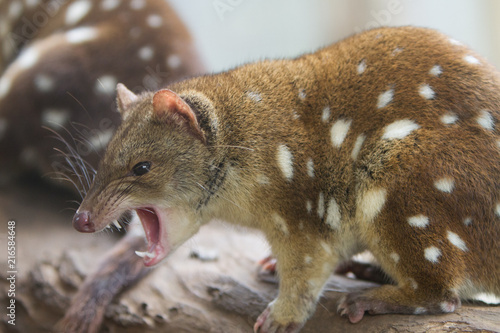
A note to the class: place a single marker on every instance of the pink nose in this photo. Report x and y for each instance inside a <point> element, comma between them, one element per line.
<point>82,222</point>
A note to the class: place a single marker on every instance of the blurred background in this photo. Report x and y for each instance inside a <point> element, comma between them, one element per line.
<point>231,32</point>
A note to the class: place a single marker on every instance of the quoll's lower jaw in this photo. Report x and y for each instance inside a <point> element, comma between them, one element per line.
<point>150,220</point>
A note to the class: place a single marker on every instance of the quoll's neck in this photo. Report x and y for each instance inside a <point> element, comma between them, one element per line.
<point>266,130</point>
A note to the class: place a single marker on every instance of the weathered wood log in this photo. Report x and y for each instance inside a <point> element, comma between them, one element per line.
<point>209,285</point>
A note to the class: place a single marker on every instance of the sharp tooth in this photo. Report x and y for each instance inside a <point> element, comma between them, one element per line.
<point>108,226</point>
<point>145,254</point>
<point>117,225</point>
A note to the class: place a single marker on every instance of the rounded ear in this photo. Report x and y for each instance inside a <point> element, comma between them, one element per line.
<point>171,107</point>
<point>124,98</point>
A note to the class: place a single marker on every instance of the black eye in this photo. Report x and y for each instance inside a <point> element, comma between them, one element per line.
<point>141,168</point>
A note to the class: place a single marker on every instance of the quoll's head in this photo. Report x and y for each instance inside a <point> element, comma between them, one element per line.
<point>154,165</point>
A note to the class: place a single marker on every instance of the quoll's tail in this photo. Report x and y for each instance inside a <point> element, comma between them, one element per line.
<point>120,269</point>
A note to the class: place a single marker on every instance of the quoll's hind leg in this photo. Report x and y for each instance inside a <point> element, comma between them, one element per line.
<point>395,299</point>
<point>303,269</point>
<point>420,252</point>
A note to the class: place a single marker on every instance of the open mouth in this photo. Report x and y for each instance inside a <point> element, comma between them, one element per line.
<point>151,222</point>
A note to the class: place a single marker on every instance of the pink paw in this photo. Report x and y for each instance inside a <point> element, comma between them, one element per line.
<point>352,307</point>
<point>267,270</point>
<point>268,264</point>
<point>266,324</point>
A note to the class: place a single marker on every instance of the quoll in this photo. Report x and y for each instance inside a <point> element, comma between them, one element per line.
<point>386,141</point>
<point>60,62</point>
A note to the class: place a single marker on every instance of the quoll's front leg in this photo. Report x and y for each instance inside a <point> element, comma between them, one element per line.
<point>303,270</point>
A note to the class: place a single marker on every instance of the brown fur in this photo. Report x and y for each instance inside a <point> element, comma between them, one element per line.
<point>262,124</point>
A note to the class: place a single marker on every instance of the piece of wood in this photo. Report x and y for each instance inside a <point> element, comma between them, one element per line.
<point>209,285</point>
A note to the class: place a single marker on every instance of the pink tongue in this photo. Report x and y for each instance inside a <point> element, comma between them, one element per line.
<point>151,227</point>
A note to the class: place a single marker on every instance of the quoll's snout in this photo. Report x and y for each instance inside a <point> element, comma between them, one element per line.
<point>83,223</point>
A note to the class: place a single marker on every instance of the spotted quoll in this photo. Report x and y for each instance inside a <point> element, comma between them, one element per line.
<point>60,61</point>
<point>386,141</point>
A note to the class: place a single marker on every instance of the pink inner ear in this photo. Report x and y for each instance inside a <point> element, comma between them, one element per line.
<point>167,102</point>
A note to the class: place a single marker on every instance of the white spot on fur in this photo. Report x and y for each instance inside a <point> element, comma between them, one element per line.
<point>472,60</point>
<point>445,184</point>
<point>325,114</point>
<point>77,11</point>
<point>302,94</point>
<point>339,131</point>
<point>432,254</point>
<point>100,140</point>
<point>455,42</point>
<point>146,53</point>
<point>426,91</point>
<point>456,240</point>
<point>485,120</point>
<point>81,35</point>
<point>262,179</point>
<point>15,10</point>
<point>321,205</point>
<point>5,85</point>
<point>154,21</point>
<point>397,51</point>
<point>497,209</point>
<point>419,310</point>
<point>309,206</point>
<point>333,216</point>
<point>174,61</point>
<point>254,96</point>
<point>280,223</point>
<point>399,129</point>
<point>326,247</point>
<point>418,221</point>
<point>28,58</point>
<point>308,260</point>
<point>436,70</point>
<point>285,161</point>
<point>110,4</point>
<point>488,298</point>
<point>357,146</point>
<point>371,203</point>
<point>413,283</point>
<point>395,257</point>
<point>361,66</point>
<point>468,221</point>
<point>449,118</point>
<point>3,127</point>
<point>55,118</point>
<point>137,4</point>
<point>310,168</point>
<point>44,83</point>
<point>385,98</point>
<point>32,3</point>
<point>106,84</point>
